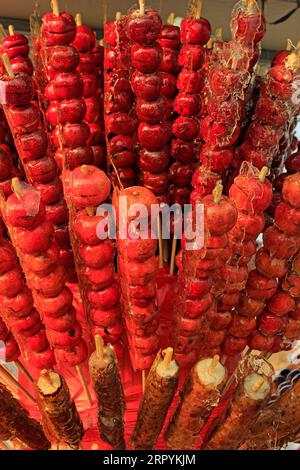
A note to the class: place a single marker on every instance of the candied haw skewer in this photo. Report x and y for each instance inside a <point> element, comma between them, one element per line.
<point>281,242</point>
<point>92,77</point>
<point>196,303</point>
<point>274,110</point>
<point>138,269</point>
<point>33,237</point>
<point>88,187</point>
<point>195,33</point>
<point>31,141</point>
<point>143,28</point>
<point>120,122</point>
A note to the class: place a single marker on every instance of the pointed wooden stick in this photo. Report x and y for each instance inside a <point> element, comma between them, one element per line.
<point>142,6</point>
<point>99,347</point>
<point>264,172</point>
<point>12,379</point>
<point>105,11</point>
<point>219,33</point>
<point>84,384</point>
<point>3,446</point>
<point>23,369</point>
<point>171,18</point>
<point>160,242</point>
<point>55,7</point>
<point>7,65</point>
<point>258,384</point>
<point>214,362</point>
<point>198,9</point>
<point>118,16</point>
<point>167,357</point>
<point>2,31</point>
<point>11,30</point>
<point>78,19</point>
<point>143,380</point>
<point>289,45</point>
<point>173,255</point>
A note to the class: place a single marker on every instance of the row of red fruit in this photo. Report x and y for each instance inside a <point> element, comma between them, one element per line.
<point>18,311</point>
<point>86,188</point>
<point>91,70</point>
<point>138,269</point>
<point>198,329</point>
<point>118,103</point>
<point>143,29</point>
<point>194,33</point>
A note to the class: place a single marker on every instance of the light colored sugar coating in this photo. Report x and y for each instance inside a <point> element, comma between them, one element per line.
<point>49,382</point>
<point>256,386</point>
<point>208,375</point>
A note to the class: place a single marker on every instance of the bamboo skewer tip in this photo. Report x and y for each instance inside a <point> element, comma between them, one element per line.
<point>78,19</point>
<point>142,6</point>
<point>16,187</point>
<point>11,30</point>
<point>118,15</point>
<point>257,385</point>
<point>198,9</point>
<point>99,346</point>
<point>173,255</point>
<point>171,18</point>
<point>217,192</point>
<point>143,380</point>
<point>214,363</point>
<point>7,65</point>
<point>264,172</point>
<point>55,7</point>
<point>167,357</point>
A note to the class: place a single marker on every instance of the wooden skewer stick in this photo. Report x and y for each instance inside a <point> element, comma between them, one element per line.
<point>160,243</point>
<point>198,9</point>
<point>84,384</point>
<point>55,7</point>
<point>2,31</point>
<point>168,356</point>
<point>7,65</point>
<point>10,377</point>
<point>99,346</point>
<point>289,45</point>
<point>143,380</point>
<point>3,446</point>
<point>78,19</point>
<point>171,18</point>
<point>258,384</point>
<point>173,255</point>
<point>105,11</point>
<point>142,6</point>
<point>219,33</point>
<point>214,362</point>
<point>11,30</point>
<point>101,42</point>
<point>264,172</point>
<point>217,193</point>
<point>166,250</point>
<point>298,45</point>
<point>118,16</point>
<point>250,6</point>
<point>23,369</point>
